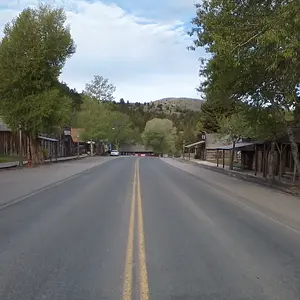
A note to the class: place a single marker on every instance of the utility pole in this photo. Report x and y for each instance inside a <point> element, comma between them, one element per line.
<point>20,147</point>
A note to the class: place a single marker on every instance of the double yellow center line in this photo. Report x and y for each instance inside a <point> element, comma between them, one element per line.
<point>136,200</point>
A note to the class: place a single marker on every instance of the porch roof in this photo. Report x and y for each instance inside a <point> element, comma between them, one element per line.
<point>48,139</point>
<point>194,144</point>
<point>238,145</point>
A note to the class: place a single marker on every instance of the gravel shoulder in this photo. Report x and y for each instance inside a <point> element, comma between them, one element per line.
<point>16,183</point>
<point>275,204</point>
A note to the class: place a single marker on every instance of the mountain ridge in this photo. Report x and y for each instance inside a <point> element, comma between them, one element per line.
<point>176,104</point>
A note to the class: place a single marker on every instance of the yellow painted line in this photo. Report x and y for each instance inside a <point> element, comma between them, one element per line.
<point>127,285</point>
<point>144,287</point>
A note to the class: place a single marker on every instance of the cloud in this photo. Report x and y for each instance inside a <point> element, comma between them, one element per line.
<point>144,56</point>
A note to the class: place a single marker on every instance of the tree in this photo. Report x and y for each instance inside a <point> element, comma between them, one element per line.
<point>234,127</point>
<point>33,51</point>
<point>254,45</point>
<point>100,89</point>
<point>76,97</point>
<point>211,111</point>
<point>92,119</point>
<point>266,125</point>
<point>121,129</point>
<point>99,122</point>
<point>160,134</point>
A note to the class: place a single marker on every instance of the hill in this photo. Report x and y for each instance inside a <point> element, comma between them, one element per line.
<point>172,105</point>
<point>183,112</point>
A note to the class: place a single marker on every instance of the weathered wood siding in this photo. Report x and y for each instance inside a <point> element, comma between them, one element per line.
<point>9,143</point>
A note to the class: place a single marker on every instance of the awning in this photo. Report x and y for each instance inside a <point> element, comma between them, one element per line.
<point>48,139</point>
<point>194,144</point>
<point>237,146</point>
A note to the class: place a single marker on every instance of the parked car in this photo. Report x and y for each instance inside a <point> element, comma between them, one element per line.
<point>114,153</point>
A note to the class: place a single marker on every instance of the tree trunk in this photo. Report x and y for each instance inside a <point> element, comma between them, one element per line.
<point>294,148</point>
<point>35,152</point>
<point>232,155</point>
<point>271,159</point>
<point>117,145</point>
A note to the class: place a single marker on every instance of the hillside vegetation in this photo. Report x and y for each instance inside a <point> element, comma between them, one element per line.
<point>183,112</point>
<point>177,104</point>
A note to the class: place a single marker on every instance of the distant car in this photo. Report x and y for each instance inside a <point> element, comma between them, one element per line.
<point>114,153</point>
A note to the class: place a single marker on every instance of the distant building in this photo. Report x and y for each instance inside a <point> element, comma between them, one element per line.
<point>135,150</point>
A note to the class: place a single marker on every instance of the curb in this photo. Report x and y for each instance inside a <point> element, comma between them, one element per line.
<point>246,177</point>
<point>9,165</point>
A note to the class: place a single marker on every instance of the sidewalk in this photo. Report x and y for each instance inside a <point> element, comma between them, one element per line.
<point>14,164</point>
<point>17,182</point>
<point>282,185</point>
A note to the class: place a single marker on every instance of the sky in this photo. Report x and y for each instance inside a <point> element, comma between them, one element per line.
<point>139,45</point>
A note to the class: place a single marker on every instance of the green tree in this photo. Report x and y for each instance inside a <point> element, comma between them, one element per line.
<point>234,128</point>
<point>100,89</point>
<point>267,125</point>
<point>33,51</point>
<point>121,129</point>
<point>92,119</point>
<point>254,45</point>
<point>77,98</point>
<point>211,111</point>
<point>160,134</point>
<point>99,122</point>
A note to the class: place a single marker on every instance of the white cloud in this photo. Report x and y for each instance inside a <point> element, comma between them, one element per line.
<point>145,59</point>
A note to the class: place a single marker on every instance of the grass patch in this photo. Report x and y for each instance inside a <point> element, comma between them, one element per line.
<point>8,158</point>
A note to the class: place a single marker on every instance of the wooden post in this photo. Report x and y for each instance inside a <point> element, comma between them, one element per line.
<point>264,161</point>
<point>294,173</point>
<point>256,160</point>
<point>280,161</point>
<point>223,158</point>
<point>20,148</point>
<point>217,157</point>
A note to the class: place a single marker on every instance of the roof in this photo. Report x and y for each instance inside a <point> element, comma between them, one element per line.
<point>48,139</point>
<point>75,132</point>
<point>194,144</point>
<point>238,145</point>
<point>3,126</point>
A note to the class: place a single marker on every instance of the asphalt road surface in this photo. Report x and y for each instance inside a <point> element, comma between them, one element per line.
<point>142,229</point>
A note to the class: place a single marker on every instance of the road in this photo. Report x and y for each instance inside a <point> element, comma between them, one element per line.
<point>142,229</point>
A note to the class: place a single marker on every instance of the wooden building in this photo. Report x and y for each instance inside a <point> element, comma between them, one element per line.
<point>53,146</point>
<point>138,150</point>
<point>10,141</point>
<point>249,155</point>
